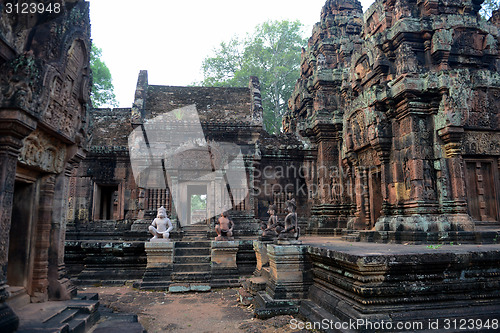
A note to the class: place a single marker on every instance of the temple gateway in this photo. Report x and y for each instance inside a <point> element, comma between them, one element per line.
<point>370,204</point>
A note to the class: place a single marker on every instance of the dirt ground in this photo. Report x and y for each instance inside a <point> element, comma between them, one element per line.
<point>215,311</point>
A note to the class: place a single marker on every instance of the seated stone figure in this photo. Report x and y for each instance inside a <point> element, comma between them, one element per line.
<point>159,227</point>
<point>291,229</point>
<point>273,226</point>
<point>224,228</point>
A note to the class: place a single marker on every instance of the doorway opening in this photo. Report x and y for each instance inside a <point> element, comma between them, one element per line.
<point>197,204</point>
<point>106,202</point>
<point>20,267</point>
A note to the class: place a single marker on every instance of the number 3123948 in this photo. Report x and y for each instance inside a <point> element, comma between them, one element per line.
<point>32,8</point>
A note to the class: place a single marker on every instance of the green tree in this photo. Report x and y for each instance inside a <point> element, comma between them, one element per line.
<point>272,53</point>
<point>102,89</point>
<point>198,202</point>
<point>488,7</point>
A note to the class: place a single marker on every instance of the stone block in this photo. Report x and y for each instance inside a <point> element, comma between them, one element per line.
<point>289,271</point>
<point>260,248</point>
<point>199,287</point>
<point>224,254</point>
<point>179,288</point>
<point>224,271</point>
<point>160,254</point>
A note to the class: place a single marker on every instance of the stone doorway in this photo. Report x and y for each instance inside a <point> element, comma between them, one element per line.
<point>106,202</point>
<point>376,198</point>
<point>482,181</point>
<point>197,204</point>
<point>21,239</point>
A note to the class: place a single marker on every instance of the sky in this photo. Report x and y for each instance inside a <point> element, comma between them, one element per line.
<point>170,38</point>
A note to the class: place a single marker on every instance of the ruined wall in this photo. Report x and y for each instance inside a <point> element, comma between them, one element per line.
<point>410,91</point>
<point>107,167</point>
<point>44,83</point>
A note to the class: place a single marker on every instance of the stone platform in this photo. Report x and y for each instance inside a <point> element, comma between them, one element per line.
<point>394,283</point>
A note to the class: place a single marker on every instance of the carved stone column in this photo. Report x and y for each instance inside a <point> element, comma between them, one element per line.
<point>452,137</point>
<point>60,287</point>
<point>42,245</point>
<point>14,126</point>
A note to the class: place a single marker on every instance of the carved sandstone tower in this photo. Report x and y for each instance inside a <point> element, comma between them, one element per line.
<point>412,99</point>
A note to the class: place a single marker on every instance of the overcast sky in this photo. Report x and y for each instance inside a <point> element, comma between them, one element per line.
<point>170,38</point>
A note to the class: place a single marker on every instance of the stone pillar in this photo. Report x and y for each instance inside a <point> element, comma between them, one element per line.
<point>289,280</point>
<point>42,244</point>
<point>289,272</point>
<point>60,287</point>
<point>14,126</point>
<point>223,264</point>
<point>160,264</point>
<point>452,138</point>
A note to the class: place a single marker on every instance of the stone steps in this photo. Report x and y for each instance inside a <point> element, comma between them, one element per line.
<point>191,276</point>
<point>192,259</point>
<point>195,232</point>
<point>75,316</point>
<point>191,244</point>
<point>112,322</point>
<point>192,267</point>
<point>191,264</point>
<point>191,251</point>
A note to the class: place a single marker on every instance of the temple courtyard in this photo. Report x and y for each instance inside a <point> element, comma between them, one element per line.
<point>374,208</point>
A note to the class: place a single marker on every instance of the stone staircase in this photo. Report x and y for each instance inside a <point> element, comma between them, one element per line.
<point>191,271</point>
<point>195,231</point>
<point>74,316</point>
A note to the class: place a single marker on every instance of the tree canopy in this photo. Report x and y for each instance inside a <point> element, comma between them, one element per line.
<point>102,89</point>
<point>272,53</point>
<point>488,7</point>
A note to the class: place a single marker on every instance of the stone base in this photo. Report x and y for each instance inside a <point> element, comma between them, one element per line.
<point>426,223</point>
<point>403,284</point>
<point>328,219</point>
<point>420,237</point>
<point>160,254</point>
<point>223,264</point>
<point>267,307</point>
<point>286,282</point>
<point>109,262</point>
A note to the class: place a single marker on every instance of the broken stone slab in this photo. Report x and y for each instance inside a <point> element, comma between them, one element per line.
<point>260,248</point>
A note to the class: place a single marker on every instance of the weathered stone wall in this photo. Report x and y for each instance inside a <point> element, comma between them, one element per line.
<point>44,83</point>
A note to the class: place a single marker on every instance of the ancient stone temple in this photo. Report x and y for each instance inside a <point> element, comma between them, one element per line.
<point>44,78</point>
<point>402,102</point>
<point>400,105</point>
<point>392,136</point>
<point>140,160</point>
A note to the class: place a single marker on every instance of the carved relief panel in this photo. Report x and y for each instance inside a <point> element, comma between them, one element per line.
<point>64,111</point>
<point>43,152</point>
